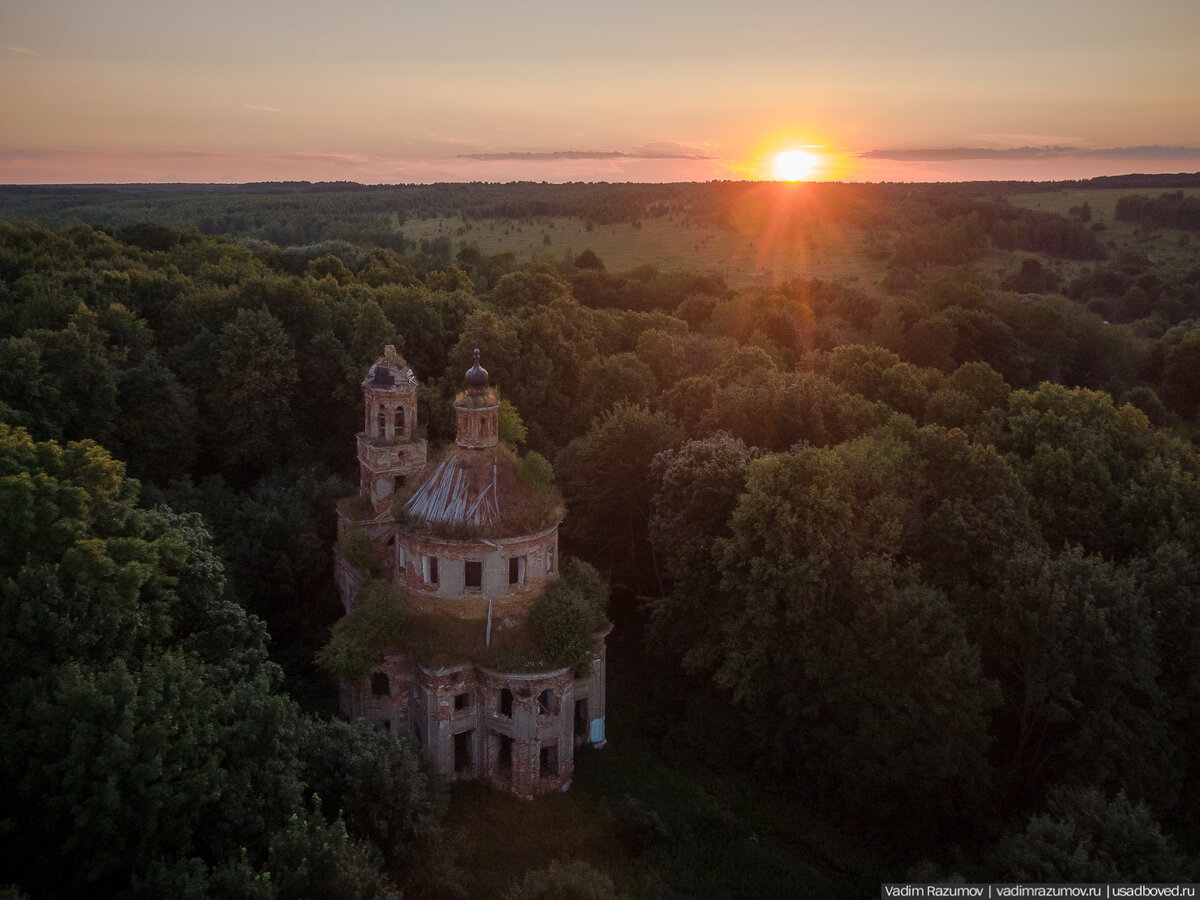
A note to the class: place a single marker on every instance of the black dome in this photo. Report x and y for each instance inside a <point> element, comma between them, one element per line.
<point>477,376</point>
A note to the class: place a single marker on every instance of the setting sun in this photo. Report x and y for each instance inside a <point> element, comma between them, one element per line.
<point>795,165</point>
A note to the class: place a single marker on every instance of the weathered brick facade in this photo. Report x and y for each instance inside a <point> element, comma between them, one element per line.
<point>516,730</point>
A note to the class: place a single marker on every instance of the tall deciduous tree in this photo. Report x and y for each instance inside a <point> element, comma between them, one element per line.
<point>250,402</point>
<point>864,674</point>
<point>608,480</point>
<point>147,748</point>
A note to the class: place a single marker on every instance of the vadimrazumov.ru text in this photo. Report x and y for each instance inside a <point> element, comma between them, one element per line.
<point>1106,891</point>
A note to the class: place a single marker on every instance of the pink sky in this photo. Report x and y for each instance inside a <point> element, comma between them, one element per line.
<point>375,91</point>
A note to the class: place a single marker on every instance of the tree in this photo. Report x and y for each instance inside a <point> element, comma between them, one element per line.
<point>570,880</point>
<point>1087,836</point>
<point>778,410</point>
<point>831,639</point>
<point>1071,642</point>
<point>156,428</point>
<point>620,378</point>
<point>589,260</point>
<point>386,790</point>
<point>372,332</point>
<point>1181,381</point>
<point>565,619</point>
<point>519,290</point>
<point>698,487</point>
<point>148,749</point>
<point>249,409</point>
<point>608,481</point>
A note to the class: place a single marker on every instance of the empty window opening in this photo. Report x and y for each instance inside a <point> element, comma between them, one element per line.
<point>548,762</point>
<point>381,421</point>
<point>417,732</point>
<point>547,703</point>
<point>397,483</point>
<point>462,751</point>
<point>504,756</point>
<point>385,724</point>
<point>399,419</point>
<point>550,560</point>
<point>506,702</point>
<point>400,558</point>
<point>581,720</point>
<point>462,701</point>
<point>516,570</point>
<point>473,570</point>
<point>380,686</point>
<point>431,570</point>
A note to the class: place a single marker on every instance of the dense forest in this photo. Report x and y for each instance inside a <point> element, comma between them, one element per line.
<point>906,572</point>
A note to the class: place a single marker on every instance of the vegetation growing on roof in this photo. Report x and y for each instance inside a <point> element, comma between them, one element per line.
<point>565,619</point>
<point>359,639</point>
<point>357,507</point>
<point>356,549</point>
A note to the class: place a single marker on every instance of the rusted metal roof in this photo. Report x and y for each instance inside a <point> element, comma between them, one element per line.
<point>460,494</point>
<point>390,371</point>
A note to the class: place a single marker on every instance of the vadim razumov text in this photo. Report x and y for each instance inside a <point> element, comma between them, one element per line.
<point>997,891</point>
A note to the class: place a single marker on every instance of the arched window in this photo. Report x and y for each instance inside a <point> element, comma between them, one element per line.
<point>399,419</point>
<point>381,421</point>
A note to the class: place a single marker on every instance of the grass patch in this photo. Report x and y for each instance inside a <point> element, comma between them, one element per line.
<point>658,823</point>
<point>742,256</point>
<point>1160,245</point>
<point>497,838</point>
<point>437,641</point>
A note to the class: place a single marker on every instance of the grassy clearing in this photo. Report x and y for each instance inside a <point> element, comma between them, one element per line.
<point>496,838</point>
<point>1161,245</point>
<point>658,825</point>
<point>669,243</point>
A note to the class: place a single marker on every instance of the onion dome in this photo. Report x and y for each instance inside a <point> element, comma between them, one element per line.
<point>477,376</point>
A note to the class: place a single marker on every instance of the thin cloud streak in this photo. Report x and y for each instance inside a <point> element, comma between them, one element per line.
<point>22,50</point>
<point>43,165</point>
<point>950,154</point>
<point>540,156</point>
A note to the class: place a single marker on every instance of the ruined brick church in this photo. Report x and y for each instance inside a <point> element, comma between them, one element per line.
<point>450,536</point>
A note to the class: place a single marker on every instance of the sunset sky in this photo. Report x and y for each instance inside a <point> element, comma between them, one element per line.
<point>459,90</point>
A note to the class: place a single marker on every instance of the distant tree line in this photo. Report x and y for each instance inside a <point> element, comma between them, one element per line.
<point>1165,211</point>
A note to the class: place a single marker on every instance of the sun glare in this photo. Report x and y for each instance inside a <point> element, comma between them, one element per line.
<point>795,165</point>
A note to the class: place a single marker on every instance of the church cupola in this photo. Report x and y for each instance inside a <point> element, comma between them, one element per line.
<point>477,375</point>
<point>478,411</point>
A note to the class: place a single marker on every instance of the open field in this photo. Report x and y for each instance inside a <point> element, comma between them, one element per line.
<point>669,243</point>
<point>1165,247</point>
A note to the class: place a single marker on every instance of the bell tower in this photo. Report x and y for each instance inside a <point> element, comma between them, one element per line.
<point>388,449</point>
